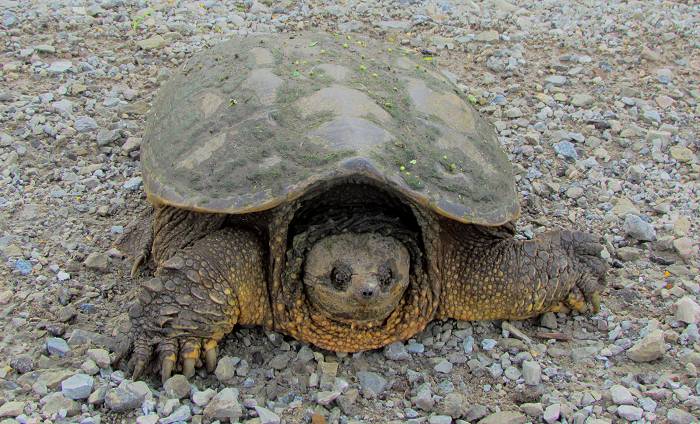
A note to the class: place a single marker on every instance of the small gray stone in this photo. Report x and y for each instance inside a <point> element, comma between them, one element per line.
<point>639,229</point>
<point>127,396</point>
<point>679,416</point>
<point>266,416</point>
<point>181,414</point>
<point>397,352</point>
<point>566,149</point>
<point>440,419</point>
<point>651,115</point>
<point>532,409</point>
<point>504,417</point>
<point>133,184</point>
<point>85,124</point>
<point>488,344</point>
<point>226,368</point>
<point>177,387</point>
<point>512,373</point>
<point>202,398</point>
<point>60,66</point>
<point>453,405</point>
<point>424,398</point>
<point>556,80</point>
<point>327,397</point>
<point>372,384</point>
<point>649,348</point>
<point>55,403</point>
<point>687,310</point>
<point>582,99</point>
<point>224,406</point>
<point>105,136</point>
<point>444,366</point>
<point>57,346</point>
<point>77,387</point>
<point>11,409</point>
<point>155,42</point>
<point>552,413</point>
<point>630,413</point>
<point>97,261</point>
<point>475,412</point>
<point>549,320</point>
<point>100,356</point>
<point>621,396</point>
<point>532,373</point>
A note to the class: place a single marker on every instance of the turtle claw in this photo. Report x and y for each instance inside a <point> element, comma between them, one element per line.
<point>210,358</point>
<point>166,368</point>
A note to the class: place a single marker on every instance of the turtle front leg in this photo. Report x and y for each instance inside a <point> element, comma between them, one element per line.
<point>195,299</point>
<point>502,278</point>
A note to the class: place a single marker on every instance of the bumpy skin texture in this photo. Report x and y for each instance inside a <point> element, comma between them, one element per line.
<point>209,279</point>
<point>493,276</point>
<point>197,296</point>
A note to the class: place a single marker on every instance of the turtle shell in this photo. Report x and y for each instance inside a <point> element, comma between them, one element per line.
<point>258,120</point>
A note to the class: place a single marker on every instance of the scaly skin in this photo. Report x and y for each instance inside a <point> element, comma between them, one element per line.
<point>488,278</point>
<point>197,296</point>
<point>209,279</point>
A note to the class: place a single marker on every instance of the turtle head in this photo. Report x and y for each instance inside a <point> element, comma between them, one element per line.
<point>356,277</point>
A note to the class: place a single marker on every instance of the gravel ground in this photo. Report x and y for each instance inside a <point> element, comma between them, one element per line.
<point>596,104</point>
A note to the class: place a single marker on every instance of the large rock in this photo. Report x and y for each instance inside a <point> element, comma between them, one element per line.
<point>11,409</point>
<point>649,348</point>
<point>224,406</point>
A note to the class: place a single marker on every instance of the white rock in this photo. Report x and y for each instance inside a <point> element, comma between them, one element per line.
<point>630,413</point>
<point>651,347</point>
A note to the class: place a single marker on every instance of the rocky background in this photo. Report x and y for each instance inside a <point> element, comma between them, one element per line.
<point>596,103</point>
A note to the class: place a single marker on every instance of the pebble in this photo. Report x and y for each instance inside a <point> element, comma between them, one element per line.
<point>226,368</point>
<point>397,352</point>
<point>444,367</point>
<point>687,310</point>
<point>127,396</point>
<point>97,261</point>
<point>57,346</point>
<point>77,387</point>
<point>630,413</point>
<point>532,409</point>
<point>639,229</point>
<point>556,80</point>
<point>620,395</point>
<point>440,419</point>
<point>181,414</point>
<point>12,409</point>
<point>488,344</point>
<point>566,149</point>
<point>224,406</point>
<point>60,66</point>
<point>177,387</point>
<point>372,384</point>
<point>504,417</point>
<point>649,348</point>
<point>100,356</point>
<point>133,184</point>
<point>85,124</point>
<point>532,373</point>
<point>552,413</point>
<point>266,416</point>
<point>582,100</point>
<point>151,43</point>
<point>202,398</point>
<point>679,416</point>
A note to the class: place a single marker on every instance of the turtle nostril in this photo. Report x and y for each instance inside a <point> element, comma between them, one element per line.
<point>367,293</point>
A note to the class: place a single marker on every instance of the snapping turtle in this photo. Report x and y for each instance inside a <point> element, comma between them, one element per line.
<point>335,189</point>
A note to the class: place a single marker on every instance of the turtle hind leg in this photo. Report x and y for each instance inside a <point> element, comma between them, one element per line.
<point>197,297</point>
<point>504,278</point>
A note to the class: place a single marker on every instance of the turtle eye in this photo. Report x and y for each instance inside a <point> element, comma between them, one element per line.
<point>385,275</point>
<point>340,276</point>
